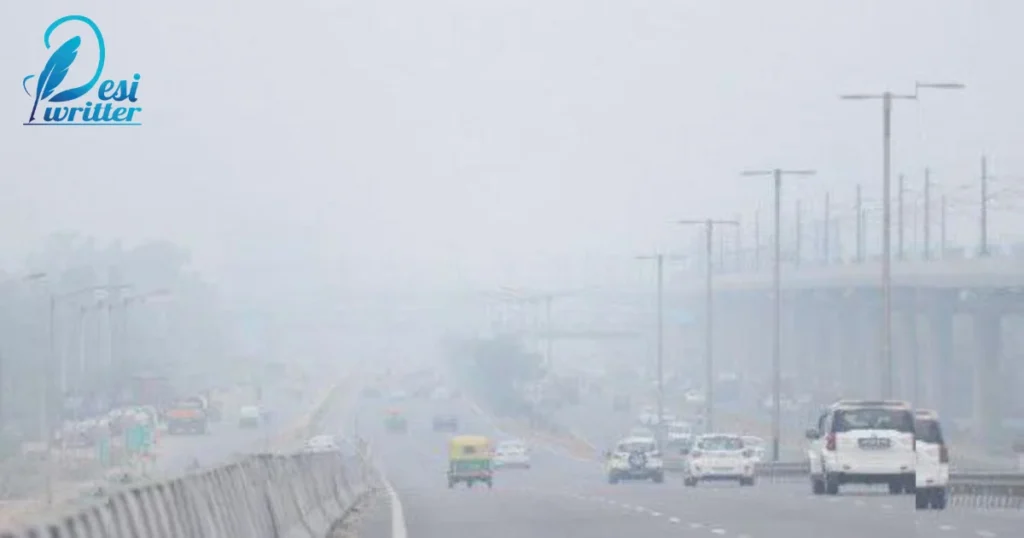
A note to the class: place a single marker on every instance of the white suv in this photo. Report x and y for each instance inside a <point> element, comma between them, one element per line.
<point>635,458</point>
<point>863,442</point>
<point>932,461</point>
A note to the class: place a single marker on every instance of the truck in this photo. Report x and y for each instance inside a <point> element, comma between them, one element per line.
<point>188,415</point>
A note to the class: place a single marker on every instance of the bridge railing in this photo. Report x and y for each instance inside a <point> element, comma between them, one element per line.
<point>297,495</point>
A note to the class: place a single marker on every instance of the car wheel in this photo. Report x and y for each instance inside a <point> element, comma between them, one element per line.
<point>895,488</point>
<point>690,482</point>
<point>921,500</point>
<point>817,486</point>
<point>831,485</point>
<point>939,498</point>
<point>612,479</point>
<point>658,478</point>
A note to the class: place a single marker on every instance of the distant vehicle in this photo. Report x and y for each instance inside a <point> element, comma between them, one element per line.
<point>321,443</point>
<point>675,453</point>
<point>719,456</point>
<point>395,422</point>
<point>635,458</point>
<point>863,442</point>
<point>932,470</point>
<point>446,423</point>
<point>249,416</point>
<point>511,454</point>
<point>678,430</point>
<point>187,415</point>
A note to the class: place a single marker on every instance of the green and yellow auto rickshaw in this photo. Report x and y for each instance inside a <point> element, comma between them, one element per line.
<point>395,421</point>
<point>470,460</point>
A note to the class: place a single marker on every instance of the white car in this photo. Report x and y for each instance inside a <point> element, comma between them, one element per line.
<point>863,442</point>
<point>249,416</point>
<point>635,458</point>
<point>932,471</point>
<point>756,445</point>
<point>719,456</point>
<point>321,443</point>
<point>511,454</point>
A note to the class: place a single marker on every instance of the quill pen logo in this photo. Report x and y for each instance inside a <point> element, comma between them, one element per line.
<point>73,106</point>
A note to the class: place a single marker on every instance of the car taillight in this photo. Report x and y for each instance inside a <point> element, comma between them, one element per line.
<point>695,454</point>
<point>748,453</point>
<point>830,442</point>
<point>943,454</point>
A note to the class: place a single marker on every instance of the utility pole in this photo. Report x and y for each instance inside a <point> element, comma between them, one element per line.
<point>709,319</point>
<point>860,225</point>
<point>739,244</point>
<point>776,175</point>
<point>659,260</point>
<point>927,214</point>
<point>887,98</point>
<point>983,247</point>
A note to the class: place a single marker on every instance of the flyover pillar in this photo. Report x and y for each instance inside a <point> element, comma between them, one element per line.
<point>987,385</point>
<point>939,361</point>
<point>860,336</point>
<point>906,368</point>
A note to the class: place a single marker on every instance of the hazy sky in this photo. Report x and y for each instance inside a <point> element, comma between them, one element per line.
<point>491,142</point>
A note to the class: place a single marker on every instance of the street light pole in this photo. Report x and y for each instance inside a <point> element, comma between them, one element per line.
<point>709,318</point>
<point>776,175</point>
<point>887,98</point>
<point>828,231</point>
<point>900,189</point>
<point>859,209</point>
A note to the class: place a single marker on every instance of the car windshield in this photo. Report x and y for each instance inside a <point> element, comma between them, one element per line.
<point>871,418</point>
<point>753,442</point>
<point>928,431</point>
<point>720,442</point>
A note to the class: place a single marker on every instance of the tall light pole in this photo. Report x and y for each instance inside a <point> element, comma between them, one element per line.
<point>828,230</point>
<point>859,209</point>
<point>887,98</point>
<point>709,319</point>
<point>900,228</point>
<point>659,260</point>
<point>777,175</point>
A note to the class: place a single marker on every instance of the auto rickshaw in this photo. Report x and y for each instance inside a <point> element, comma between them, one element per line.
<point>395,421</point>
<point>470,460</point>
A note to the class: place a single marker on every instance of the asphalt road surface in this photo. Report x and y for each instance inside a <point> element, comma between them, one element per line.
<point>566,497</point>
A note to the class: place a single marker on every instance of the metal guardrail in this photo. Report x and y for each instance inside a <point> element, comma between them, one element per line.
<point>297,495</point>
<point>968,489</point>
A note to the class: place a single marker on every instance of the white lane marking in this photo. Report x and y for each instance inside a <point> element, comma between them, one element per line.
<point>696,525</point>
<point>673,519</point>
<point>946,528</point>
<point>718,531</point>
<point>640,509</point>
<point>886,507</point>
<point>398,529</point>
<point>985,534</point>
<point>656,514</point>
<point>627,506</point>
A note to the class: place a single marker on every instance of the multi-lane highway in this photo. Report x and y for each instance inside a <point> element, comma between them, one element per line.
<point>562,496</point>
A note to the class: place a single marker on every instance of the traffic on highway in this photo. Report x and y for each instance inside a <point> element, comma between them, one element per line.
<point>862,481</point>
